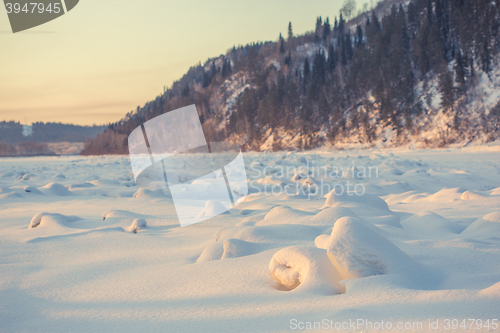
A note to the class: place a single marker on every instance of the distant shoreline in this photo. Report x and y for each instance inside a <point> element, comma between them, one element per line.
<point>35,155</point>
<point>33,149</point>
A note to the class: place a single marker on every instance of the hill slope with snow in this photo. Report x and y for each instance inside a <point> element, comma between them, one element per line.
<point>419,73</point>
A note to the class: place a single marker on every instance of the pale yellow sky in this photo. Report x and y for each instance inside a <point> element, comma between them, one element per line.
<point>106,57</point>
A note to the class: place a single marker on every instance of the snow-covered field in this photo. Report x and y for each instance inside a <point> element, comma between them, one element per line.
<point>410,239</point>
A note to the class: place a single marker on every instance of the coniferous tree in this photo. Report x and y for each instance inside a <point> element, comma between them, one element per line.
<point>341,24</point>
<point>226,68</point>
<point>281,44</point>
<point>213,70</point>
<point>288,59</point>
<point>306,73</point>
<point>206,80</point>
<point>446,88</point>
<point>430,12</point>
<point>326,30</point>
<point>372,28</point>
<point>359,35</point>
<point>346,48</point>
<point>413,19</point>
<point>318,74</point>
<point>318,33</point>
<point>207,77</point>
<point>332,58</point>
<point>484,53</point>
<point>323,107</point>
<point>460,69</point>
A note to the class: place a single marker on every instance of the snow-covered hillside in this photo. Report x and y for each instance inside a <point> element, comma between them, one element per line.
<point>419,73</point>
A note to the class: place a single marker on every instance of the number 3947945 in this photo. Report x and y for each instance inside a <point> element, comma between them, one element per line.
<point>33,8</point>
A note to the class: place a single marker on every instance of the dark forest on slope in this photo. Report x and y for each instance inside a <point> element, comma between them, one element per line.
<point>344,79</point>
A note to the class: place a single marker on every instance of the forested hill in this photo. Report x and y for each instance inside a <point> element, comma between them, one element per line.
<point>421,72</point>
<point>12,132</point>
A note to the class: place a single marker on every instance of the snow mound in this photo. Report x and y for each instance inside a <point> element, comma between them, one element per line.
<point>269,180</point>
<point>51,220</point>
<point>414,197</point>
<point>104,182</point>
<point>357,250</point>
<point>493,291</point>
<point>27,176</point>
<point>469,195</point>
<point>212,208</point>
<point>395,187</point>
<point>234,248</point>
<point>332,214</point>
<point>346,199</point>
<point>284,215</point>
<point>82,185</point>
<point>212,252</point>
<point>32,190</point>
<point>11,195</point>
<point>5,190</point>
<point>487,226</point>
<point>230,248</point>
<point>124,214</point>
<point>394,199</point>
<point>321,241</point>
<point>430,225</point>
<point>56,189</point>
<point>251,220</point>
<point>395,172</point>
<point>387,220</point>
<point>137,225</point>
<point>268,234</point>
<point>305,269</point>
<point>144,193</point>
<point>298,176</point>
<point>446,195</point>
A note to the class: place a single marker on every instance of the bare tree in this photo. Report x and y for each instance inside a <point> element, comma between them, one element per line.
<point>348,9</point>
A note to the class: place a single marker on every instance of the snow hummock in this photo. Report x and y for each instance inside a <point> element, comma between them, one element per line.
<point>471,195</point>
<point>305,269</point>
<point>430,225</point>
<point>145,193</point>
<point>48,220</point>
<point>212,208</point>
<point>332,214</point>
<point>346,199</point>
<point>137,225</point>
<point>123,214</point>
<point>486,226</point>
<point>283,215</point>
<point>55,189</point>
<point>357,250</point>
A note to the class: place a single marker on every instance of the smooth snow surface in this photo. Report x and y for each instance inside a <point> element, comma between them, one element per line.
<point>379,235</point>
